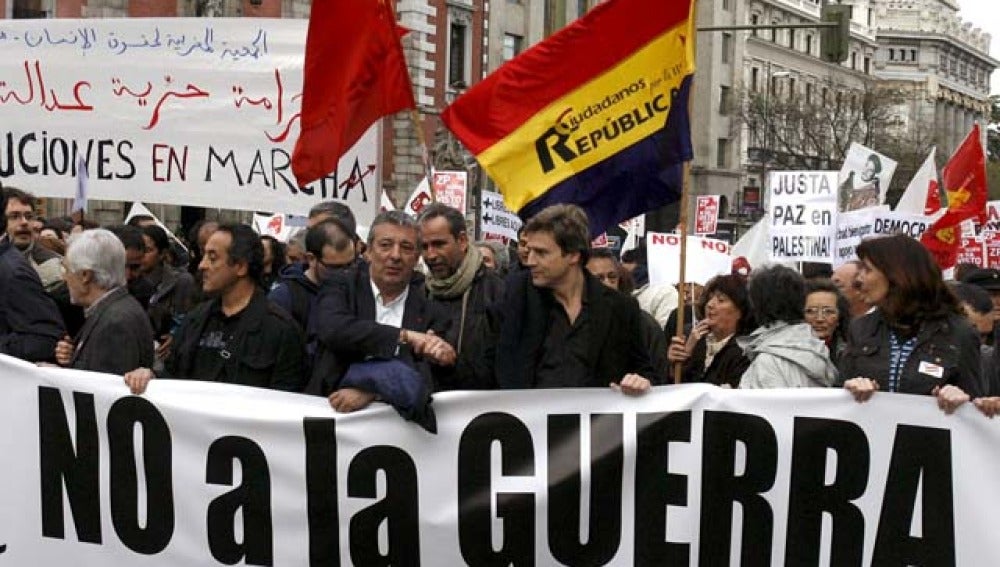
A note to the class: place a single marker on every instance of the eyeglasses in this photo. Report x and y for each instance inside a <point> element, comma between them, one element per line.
<point>610,277</point>
<point>824,312</point>
<point>28,216</point>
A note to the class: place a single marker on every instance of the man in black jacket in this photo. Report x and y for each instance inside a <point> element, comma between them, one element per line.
<point>30,324</point>
<point>468,291</point>
<point>378,311</point>
<point>238,336</point>
<point>562,328</point>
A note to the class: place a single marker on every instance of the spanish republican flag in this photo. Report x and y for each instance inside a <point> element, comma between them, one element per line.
<point>354,74</point>
<point>595,115</point>
<point>964,179</point>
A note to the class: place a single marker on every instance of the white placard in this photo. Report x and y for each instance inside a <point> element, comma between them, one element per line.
<point>183,111</point>
<point>496,221</point>
<point>802,212</point>
<point>706,258</point>
<point>864,178</point>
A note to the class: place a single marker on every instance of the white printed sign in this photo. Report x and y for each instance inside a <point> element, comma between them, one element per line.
<point>496,221</point>
<point>705,259</point>
<point>855,226</point>
<point>451,188</point>
<point>802,209</point>
<point>183,111</point>
<point>706,214</point>
<point>864,178</point>
<point>196,473</point>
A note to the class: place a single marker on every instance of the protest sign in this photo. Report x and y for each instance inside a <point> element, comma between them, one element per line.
<point>451,188</point>
<point>706,214</point>
<point>852,228</point>
<point>496,221</point>
<point>183,111</point>
<point>196,473</point>
<point>802,209</point>
<point>972,250</point>
<point>864,178</point>
<point>706,258</point>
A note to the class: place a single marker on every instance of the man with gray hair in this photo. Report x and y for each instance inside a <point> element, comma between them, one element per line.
<point>378,311</point>
<point>116,336</point>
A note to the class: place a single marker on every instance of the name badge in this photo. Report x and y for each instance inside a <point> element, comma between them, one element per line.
<point>931,369</point>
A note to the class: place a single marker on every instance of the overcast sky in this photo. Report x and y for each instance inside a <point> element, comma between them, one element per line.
<point>985,14</point>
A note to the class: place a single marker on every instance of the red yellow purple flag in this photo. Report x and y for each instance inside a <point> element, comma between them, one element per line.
<point>595,115</point>
<point>354,74</point>
<point>964,179</point>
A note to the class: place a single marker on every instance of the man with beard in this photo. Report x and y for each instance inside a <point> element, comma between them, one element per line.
<point>237,336</point>
<point>30,324</point>
<point>469,292</point>
<point>20,217</point>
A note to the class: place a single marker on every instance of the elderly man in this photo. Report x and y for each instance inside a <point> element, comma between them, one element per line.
<point>30,324</point>
<point>562,328</point>
<point>469,292</point>
<point>378,312</point>
<point>237,336</point>
<point>117,335</point>
<point>844,278</point>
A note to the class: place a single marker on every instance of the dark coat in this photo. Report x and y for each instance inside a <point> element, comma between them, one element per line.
<point>30,325</point>
<point>949,342</point>
<point>474,368</point>
<point>727,366</point>
<point>617,347</point>
<point>656,344</point>
<point>345,330</point>
<point>173,297</point>
<point>267,347</point>
<point>116,337</point>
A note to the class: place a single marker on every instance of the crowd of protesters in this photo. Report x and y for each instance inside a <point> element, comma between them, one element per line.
<point>419,307</point>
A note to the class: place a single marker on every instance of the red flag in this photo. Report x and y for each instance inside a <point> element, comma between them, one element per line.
<point>965,184</point>
<point>355,73</point>
<point>933,204</point>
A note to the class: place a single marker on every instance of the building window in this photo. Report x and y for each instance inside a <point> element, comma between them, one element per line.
<point>755,79</point>
<point>854,61</point>
<point>727,5</point>
<point>809,93</point>
<point>868,65</point>
<point>809,44</point>
<point>892,55</point>
<point>512,46</point>
<point>457,69</point>
<point>725,99</point>
<point>727,47</point>
<point>722,157</point>
<point>30,9</point>
<point>755,20</point>
<point>791,88</point>
<point>791,38</point>
<point>913,55</point>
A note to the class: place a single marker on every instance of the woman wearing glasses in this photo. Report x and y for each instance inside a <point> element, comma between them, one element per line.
<point>917,341</point>
<point>828,313</point>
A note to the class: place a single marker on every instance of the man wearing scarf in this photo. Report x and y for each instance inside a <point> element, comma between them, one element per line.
<point>470,293</point>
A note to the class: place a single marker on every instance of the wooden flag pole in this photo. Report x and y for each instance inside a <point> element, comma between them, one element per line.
<point>425,153</point>
<point>682,285</point>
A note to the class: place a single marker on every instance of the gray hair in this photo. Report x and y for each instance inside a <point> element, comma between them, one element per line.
<point>398,218</point>
<point>99,251</point>
<point>500,253</point>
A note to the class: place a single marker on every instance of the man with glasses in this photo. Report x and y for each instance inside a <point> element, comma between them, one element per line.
<point>30,324</point>
<point>19,214</point>
<point>329,249</point>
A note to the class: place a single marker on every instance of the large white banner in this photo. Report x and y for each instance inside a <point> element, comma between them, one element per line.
<point>185,111</point>
<point>204,474</point>
<point>802,210</point>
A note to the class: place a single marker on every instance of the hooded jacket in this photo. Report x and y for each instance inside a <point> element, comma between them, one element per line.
<point>786,355</point>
